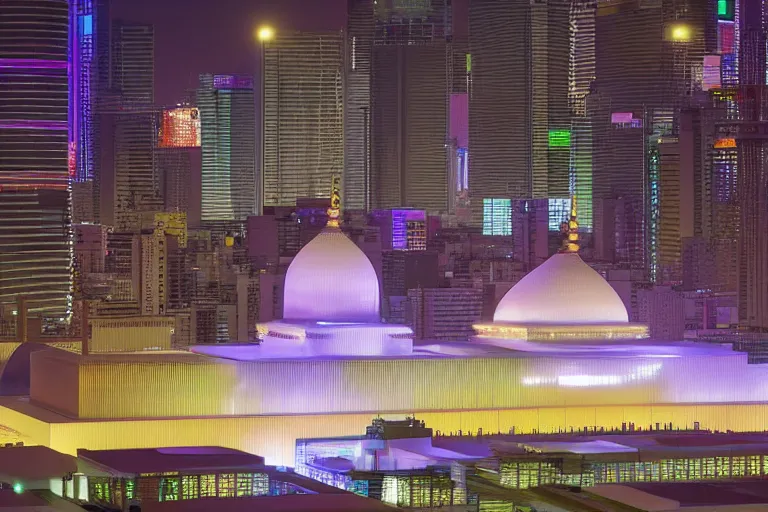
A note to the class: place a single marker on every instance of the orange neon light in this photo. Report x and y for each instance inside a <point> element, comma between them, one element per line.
<point>725,143</point>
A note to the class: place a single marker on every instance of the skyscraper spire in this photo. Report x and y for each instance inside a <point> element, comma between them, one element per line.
<point>334,212</point>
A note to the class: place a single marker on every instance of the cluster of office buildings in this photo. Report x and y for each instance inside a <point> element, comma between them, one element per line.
<point>536,237</point>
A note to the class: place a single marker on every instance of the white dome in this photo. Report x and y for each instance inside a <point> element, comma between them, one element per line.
<point>562,290</point>
<point>331,280</point>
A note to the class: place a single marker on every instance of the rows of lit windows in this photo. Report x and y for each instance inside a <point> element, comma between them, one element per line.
<point>527,474</point>
<point>422,491</point>
<point>188,487</point>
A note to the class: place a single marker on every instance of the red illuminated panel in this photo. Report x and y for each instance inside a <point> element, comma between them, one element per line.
<point>726,36</point>
<point>180,128</point>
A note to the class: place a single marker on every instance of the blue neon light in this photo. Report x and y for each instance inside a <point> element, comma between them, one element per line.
<point>86,24</point>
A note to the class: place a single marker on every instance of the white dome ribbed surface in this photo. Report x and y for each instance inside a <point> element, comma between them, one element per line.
<point>331,280</point>
<point>562,290</point>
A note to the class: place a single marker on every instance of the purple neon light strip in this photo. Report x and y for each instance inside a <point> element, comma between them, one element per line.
<point>33,63</point>
<point>25,124</point>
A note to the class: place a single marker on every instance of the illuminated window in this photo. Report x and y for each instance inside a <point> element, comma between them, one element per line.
<point>227,485</point>
<point>559,138</point>
<point>169,489</point>
<point>722,467</point>
<point>738,466</point>
<point>359,487</point>
<point>190,487</point>
<point>559,210</point>
<point>207,486</point>
<point>497,216</point>
<point>130,489</point>
<point>244,484</point>
<point>260,484</point>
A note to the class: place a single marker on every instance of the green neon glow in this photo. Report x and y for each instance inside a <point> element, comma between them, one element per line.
<point>469,63</point>
<point>725,10</point>
<point>559,138</point>
<point>18,488</point>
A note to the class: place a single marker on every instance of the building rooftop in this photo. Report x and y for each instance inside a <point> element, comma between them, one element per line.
<point>159,460</point>
<point>688,494</point>
<point>34,463</point>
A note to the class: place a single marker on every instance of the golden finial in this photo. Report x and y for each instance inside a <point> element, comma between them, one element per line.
<point>334,212</point>
<point>570,231</point>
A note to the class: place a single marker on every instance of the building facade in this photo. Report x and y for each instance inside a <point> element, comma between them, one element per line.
<point>303,139</point>
<point>228,128</point>
<point>519,120</point>
<point>35,216</point>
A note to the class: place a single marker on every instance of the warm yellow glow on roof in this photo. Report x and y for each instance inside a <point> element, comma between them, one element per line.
<point>266,33</point>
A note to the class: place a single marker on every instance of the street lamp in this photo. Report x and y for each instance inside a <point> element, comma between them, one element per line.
<point>265,33</point>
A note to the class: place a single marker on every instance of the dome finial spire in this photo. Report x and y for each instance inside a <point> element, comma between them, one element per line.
<point>570,231</point>
<point>334,212</point>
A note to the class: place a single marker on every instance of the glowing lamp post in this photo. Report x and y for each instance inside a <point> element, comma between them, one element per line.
<point>264,34</point>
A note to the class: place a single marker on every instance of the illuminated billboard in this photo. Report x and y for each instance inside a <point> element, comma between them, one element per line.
<point>233,82</point>
<point>725,143</point>
<point>180,128</point>
<point>711,75</point>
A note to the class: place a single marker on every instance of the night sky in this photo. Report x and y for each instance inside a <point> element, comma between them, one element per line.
<point>216,36</point>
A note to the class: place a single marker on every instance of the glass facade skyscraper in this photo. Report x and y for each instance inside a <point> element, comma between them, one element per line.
<point>303,139</point>
<point>228,127</point>
<point>35,250</point>
<point>519,96</point>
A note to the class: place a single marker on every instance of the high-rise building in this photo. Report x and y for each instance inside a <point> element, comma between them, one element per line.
<point>134,125</point>
<point>177,152</point>
<point>519,120</point>
<point>35,223</point>
<point>581,74</point>
<point>228,129</point>
<point>133,62</point>
<point>410,86</point>
<point>752,142</point>
<point>303,139</point>
<point>357,105</point>
<point>89,54</point>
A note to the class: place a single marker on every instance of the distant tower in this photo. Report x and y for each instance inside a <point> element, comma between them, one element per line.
<point>228,127</point>
<point>519,120</point>
<point>410,98</point>
<point>303,139</point>
<point>752,140</point>
<point>137,186</point>
<point>89,53</point>
<point>35,223</point>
